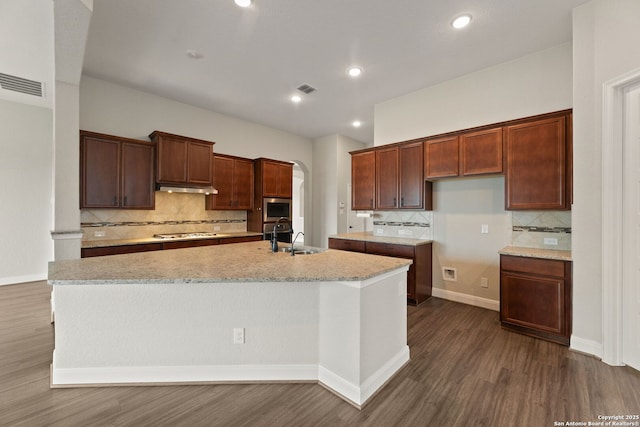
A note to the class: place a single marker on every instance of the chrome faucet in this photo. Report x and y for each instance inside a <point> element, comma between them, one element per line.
<point>274,234</point>
<point>293,242</point>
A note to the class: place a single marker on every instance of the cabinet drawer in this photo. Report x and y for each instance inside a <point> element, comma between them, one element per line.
<point>537,266</point>
<point>346,245</point>
<point>189,243</point>
<point>388,249</point>
<point>226,240</point>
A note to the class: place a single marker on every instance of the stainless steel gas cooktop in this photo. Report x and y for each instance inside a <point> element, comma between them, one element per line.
<point>194,235</point>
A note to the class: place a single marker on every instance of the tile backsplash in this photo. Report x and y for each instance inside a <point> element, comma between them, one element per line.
<point>174,213</point>
<point>538,229</point>
<point>409,224</point>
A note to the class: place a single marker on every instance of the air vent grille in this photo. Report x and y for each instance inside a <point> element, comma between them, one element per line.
<point>305,88</point>
<point>18,84</point>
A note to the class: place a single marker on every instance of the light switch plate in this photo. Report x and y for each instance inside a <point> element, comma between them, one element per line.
<point>551,241</point>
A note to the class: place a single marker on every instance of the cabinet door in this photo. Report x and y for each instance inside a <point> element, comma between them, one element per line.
<point>270,172</point>
<point>223,182</point>
<point>533,302</point>
<point>411,176</point>
<point>172,160</point>
<point>243,184</point>
<point>363,175</point>
<point>100,173</point>
<point>285,181</point>
<point>441,157</point>
<point>481,152</point>
<point>387,178</point>
<point>137,176</point>
<point>536,165</point>
<point>346,245</point>
<point>199,170</point>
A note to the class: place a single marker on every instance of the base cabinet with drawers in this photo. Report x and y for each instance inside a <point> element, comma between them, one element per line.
<point>535,297</point>
<point>419,279</point>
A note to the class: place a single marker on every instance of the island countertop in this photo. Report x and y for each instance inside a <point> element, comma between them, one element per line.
<point>240,262</point>
<point>368,236</point>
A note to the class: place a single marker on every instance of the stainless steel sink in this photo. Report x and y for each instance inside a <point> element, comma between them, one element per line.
<point>302,250</point>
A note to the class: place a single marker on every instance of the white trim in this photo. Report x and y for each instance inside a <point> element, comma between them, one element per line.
<point>22,279</point>
<point>583,345</point>
<point>476,301</point>
<point>358,395</point>
<point>612,201</point>
<point>182,374</point>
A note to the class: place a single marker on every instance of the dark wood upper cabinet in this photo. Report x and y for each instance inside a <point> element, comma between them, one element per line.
<point>116,172</point>
<point>183,160</point>
<point>441,157</point>
<point>411,175</point>
<point>481,152</point>
<point>233,178</point>
<point>387,168</point>
<point>275,178</point>
<point>537,165</point>
<point>363,180</point>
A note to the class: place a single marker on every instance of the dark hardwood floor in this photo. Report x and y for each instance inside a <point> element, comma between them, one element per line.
<point>464,371</point>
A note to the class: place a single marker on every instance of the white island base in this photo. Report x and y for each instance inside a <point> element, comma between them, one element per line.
<point>349,336</point>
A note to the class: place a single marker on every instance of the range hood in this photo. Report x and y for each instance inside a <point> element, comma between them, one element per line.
<point>183,189</point>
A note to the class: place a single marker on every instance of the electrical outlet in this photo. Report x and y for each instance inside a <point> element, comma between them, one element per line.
<point>551,241</point>
<point>238,335</point>
<point>484,282</point>
<point>216,228</point>
<point>484,229</point>
<point>99,233</point>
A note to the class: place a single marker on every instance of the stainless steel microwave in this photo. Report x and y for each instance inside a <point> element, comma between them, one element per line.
<point>274,209</point>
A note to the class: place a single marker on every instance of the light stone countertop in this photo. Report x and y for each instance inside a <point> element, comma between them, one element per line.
<point>240,262</point>
<point>368,236</point>
<point>140,241</point>
<point>536,253</point>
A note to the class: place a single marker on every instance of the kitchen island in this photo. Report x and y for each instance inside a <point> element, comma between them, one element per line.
<point>231,313</point>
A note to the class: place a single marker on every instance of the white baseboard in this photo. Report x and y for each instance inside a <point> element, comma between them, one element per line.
<point>22,279</point>
<point>65,377</point>
<point>586,346</point>
<point>358,395</point>
<point>467,299</point>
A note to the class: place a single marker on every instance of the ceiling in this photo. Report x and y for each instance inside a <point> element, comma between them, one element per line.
<point>253,59</point>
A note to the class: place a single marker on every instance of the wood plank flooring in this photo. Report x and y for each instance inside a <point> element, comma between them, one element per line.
<point>464,371</point>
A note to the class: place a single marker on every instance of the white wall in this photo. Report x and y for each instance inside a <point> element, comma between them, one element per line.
<point>606,39</point>
<point>25,172</point>
<point>534,84</point>
<point>118,110</point>
<point>332,175</point>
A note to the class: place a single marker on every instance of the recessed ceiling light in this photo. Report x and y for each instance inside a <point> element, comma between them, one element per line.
<point>461,21</point>
<point>296,99</point>
<point>354,71</point>
<point>194,54</point>
<point>356,123</point>
<point>243,3</point>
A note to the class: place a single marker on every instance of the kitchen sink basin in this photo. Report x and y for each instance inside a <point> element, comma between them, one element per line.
<point>302,250</point>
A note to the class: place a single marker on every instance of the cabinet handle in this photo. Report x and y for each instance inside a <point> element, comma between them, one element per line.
<point>402,201</point>
<point>125,201</point>
<point>371,202</point>
<point>115,201</point>
<point>394,201</point>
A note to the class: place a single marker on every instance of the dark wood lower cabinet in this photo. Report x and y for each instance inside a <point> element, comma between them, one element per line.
<point>120,249</point>
<point>535,297</point>
<point>177,244</point>
<point>419,278</point>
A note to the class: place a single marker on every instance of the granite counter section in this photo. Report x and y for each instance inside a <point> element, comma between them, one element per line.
<point>369,237</point>
<point>141,241</point>
<point>241,262</point>
<point>536,253</point>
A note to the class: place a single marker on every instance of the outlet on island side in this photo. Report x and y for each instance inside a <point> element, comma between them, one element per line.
<point>238,335</point>
<point>484,282</point>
